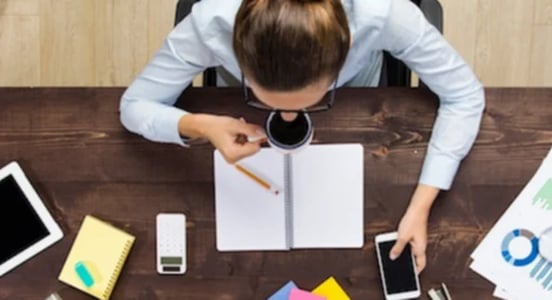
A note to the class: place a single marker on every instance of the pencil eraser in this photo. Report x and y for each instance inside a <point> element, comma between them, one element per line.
<point>84,274</point>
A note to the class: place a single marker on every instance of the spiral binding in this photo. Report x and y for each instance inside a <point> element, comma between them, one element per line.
<point>117,271</point>
<point>288,207</point>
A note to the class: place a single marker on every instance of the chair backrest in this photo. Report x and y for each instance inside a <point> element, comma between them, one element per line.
<point>394,72</point>
<point>183,8</point>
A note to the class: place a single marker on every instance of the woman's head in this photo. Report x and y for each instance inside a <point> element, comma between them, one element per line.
<point>287,46</point>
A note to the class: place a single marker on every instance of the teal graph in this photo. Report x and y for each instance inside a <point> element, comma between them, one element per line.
<point>543,198</point>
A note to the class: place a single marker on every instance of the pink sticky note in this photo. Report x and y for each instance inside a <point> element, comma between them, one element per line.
<point>297,294</point>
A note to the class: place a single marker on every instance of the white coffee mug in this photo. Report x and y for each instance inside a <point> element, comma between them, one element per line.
<point>288,137</point>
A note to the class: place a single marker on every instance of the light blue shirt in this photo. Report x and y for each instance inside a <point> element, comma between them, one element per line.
<point>204,39</point>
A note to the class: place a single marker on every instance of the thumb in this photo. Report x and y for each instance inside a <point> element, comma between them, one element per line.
<point>397,248</point>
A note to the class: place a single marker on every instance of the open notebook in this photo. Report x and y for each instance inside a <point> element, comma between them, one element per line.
<point>321,204</point>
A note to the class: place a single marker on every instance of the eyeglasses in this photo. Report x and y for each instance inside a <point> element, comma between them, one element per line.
<point>323,105</point>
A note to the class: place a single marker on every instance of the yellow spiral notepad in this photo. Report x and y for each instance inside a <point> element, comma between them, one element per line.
<point>103,249</point>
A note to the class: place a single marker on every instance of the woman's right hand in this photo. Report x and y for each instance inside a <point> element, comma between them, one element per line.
<point>225,133</point>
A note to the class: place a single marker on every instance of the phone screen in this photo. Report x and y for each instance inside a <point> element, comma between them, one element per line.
<point>399,274</point>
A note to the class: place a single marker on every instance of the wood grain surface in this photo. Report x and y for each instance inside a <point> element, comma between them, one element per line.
<point>81,160</point>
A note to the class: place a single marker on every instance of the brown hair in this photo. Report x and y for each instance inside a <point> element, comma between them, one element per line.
<point>285,45</point>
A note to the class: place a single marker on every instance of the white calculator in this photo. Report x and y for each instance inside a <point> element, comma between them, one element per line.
<point>171,243</point>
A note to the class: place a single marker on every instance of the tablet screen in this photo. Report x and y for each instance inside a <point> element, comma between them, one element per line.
<point>20,226</point>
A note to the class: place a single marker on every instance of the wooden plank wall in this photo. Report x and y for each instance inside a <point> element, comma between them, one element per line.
<point>79,42</point>
<point>107,42</point>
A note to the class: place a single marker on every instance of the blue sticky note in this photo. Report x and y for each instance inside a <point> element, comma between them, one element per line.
<point>283,292</point>
<point>84,274</point>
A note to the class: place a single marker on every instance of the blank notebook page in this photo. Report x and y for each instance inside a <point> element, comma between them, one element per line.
<point>328,196</point>
<point>249,217</point>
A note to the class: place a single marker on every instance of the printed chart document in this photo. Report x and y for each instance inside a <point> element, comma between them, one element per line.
<point>509,254</point>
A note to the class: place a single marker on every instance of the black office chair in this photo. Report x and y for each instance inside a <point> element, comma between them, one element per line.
<point>393,73</point>
<point>183,8</point>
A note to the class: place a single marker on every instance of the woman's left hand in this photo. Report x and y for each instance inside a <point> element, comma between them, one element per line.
<point>412,229</point>
<point>413,226</point>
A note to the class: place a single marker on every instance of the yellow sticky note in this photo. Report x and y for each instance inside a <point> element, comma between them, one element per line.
<point>331,290</point>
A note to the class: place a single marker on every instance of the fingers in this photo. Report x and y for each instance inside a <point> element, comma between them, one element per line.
<point>246,141</point>
<point>254,131</point>
<point>248,133</point>
<point>248,129</point>
<point>248,149</point>
<point>420,262</point>
<point>397,248</point>
<point>235,152</point>
<point>237,139</point>
<point>419,254</point>
<point>417,250</point>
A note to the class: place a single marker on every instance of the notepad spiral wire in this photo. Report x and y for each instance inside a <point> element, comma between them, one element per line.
<point>288,189</point>
<point>115,276</point>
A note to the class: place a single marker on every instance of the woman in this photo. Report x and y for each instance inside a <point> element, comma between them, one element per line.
<point>290,52</point>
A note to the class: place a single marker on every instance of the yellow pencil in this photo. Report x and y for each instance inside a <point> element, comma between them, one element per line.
<point>270,187</point>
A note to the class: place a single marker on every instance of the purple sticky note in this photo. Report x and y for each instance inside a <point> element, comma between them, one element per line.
<point>283,292</point>
<point>297,294</point>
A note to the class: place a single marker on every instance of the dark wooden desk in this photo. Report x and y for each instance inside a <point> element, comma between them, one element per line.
<point>82,161</point>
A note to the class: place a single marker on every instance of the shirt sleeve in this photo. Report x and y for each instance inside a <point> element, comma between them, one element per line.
<point>147,106</point>
<point>408,36</point>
